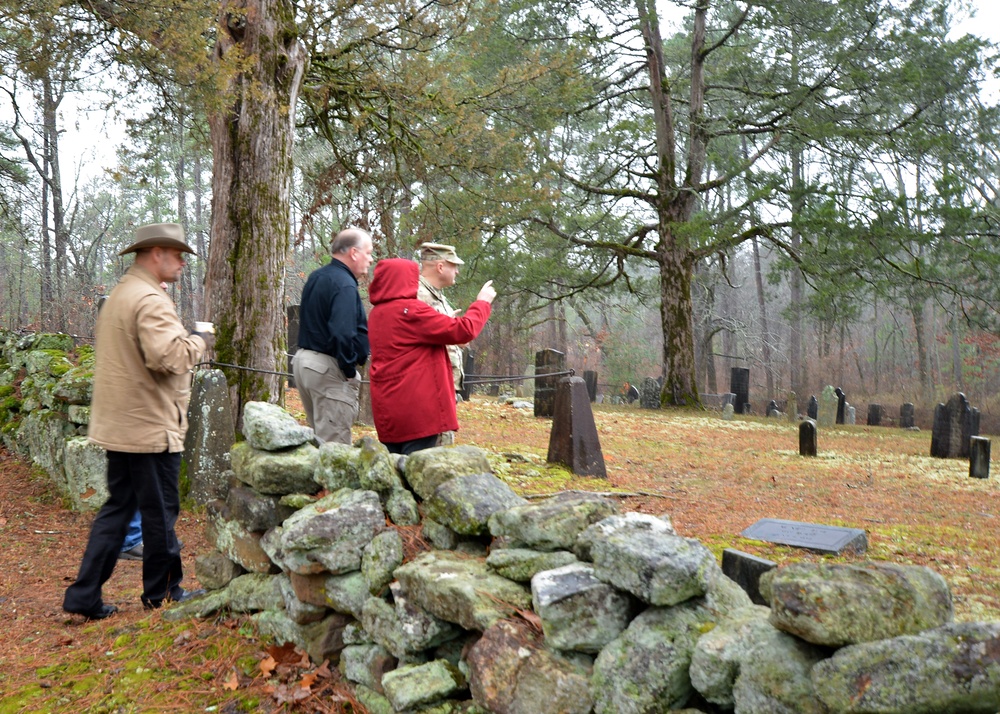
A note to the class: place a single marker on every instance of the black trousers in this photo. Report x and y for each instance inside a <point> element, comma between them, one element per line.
<point>408,447</point>
<point>148,482</point>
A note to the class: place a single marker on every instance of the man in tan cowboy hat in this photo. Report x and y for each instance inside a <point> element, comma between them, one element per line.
<point>438,270</point>
<point>142,381</point>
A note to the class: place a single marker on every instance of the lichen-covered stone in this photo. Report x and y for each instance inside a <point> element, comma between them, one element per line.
<point>954,668</point>
<point>268,427</point>
<point>645,669</point>
<point>427,469</point>
<point>417,685</point>
<point>321,640</point>
<point>329,534</point>
<point>840,604</point>
<point>658,568</point>
<point>401,507</point>
<point>775,678</point>
<point>578,611</point>
<point>460,589</point>
<point>338,466</point>
<point>521,564</point>
<point>86,469</point>
<point>465,503</point>
<point>276,473</point>
<point>254,592</point>
<point>380,558</point>
<point>441,537</point>
<point>377,468</point>
<point>510,672</point>
<point>215,571</point>
<point>209,437</point>
<point>404,628</point>
<point>719,653</point>
<point>255,511</point>
<point>76,386</point>
<point>637,522</point>
<point>366,664</point>
<point>554,523</point>
<point>236,542</point>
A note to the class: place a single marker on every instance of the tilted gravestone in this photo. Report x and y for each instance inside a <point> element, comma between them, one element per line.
<point>954,424</point>
<point>841,405</point>
<point>573,441</point>
<point>649,395</point>
<point>874,415</point>
<point>739,384</point>
<point>807,438</point>
<point>590,377</point>
<point>745,570</point>
<point>547,362</point>
<point>827,412</point>
<point>906,416</point>
<point>812,410</point>
<point>812,536</point>
<point>979,457</point>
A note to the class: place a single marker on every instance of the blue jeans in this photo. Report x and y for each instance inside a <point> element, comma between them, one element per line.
<point>133,536</point>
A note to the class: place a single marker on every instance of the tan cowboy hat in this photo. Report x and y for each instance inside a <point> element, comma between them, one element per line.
<point>159,235</point>
<point>439,251</point>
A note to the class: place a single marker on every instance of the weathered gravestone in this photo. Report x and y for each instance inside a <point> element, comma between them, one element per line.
<point>728,412</point>
<point>649,395</point>
<point>807,438</point>
<point>874,415</point>
<point>739,384</point>
<point>954,424</point>
<point>470,370</point>
<point>573,441</point>
<point>792,407</point>
<point>812,410</point>
<point>772,409</point>
<point>812,536</point>
<point>209,437</point>
<point>906,414</point>
<point>590,378</point>
<point>827,412</point>
<point>850,415</point>
<point>292,314</point>
<point>745,570</point>
<point>547,362</point>
<point>979,457</point>
<point>841,405</point>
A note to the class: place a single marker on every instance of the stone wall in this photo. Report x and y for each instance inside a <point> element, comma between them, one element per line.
<point>438,589</point>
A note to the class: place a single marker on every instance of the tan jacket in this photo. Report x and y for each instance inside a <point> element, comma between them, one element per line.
<point>435,298</point>
<point>142,375</point>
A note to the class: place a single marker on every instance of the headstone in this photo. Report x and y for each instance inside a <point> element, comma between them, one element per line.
<point>649,395</point>
<point>874,415</point>
<point>772,409</point>
<point>365,416</point>
<point>739,384</point>
<point>850,414</point>
<point>812,410</point>
<point>631,394</point>
<point>573,440</point>
<point>954,424</point>
<point>807,438</point>
<point>590,378</point>
<point>210,435</point>
<point>727,412</point>
<point>827,412</point>
<point>745,570</point>
<point>979,457</point>
<point>812,536</point>
<point>292,315</point>
<point>906,416</point>
<point>728,398</point>
<point>470,369</point>
<point>792,407</point>
<point>547,362</point>
<point>841,405</point>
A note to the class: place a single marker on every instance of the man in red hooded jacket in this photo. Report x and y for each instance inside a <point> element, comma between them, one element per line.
<point>412,390</point>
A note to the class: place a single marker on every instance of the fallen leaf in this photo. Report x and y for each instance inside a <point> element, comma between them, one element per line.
<point>267,665</point>
<point>232,683</point>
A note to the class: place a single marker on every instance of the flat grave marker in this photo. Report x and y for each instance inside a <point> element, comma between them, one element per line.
<point>812,536</point>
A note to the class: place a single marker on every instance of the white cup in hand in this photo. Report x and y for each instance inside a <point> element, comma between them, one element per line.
<point>206,327</point>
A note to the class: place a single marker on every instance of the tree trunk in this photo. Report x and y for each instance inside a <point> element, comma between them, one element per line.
<point>765,332</point>
<point>676,311</point>
<point>252,142</point>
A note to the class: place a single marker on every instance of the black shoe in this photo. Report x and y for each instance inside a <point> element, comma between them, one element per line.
<point>100,613</point>
<point>181,595</point>
<point>131,554</point>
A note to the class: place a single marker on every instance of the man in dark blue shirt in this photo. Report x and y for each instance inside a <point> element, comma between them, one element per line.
<point>333,338</point>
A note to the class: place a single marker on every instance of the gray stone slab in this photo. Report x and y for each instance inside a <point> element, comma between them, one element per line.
<point>745,570</point>
<point>813,536</point>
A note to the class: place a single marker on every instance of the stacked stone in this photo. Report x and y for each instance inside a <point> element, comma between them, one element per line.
<point>562,604</point>
<point>45,410</point>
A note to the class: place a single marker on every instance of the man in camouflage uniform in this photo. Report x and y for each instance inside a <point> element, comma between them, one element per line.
<point>438,270</point>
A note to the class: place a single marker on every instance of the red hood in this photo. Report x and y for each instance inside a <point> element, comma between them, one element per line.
<point>395,278</point>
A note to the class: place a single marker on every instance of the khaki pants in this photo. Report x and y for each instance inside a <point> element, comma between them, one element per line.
<point>329,399</point>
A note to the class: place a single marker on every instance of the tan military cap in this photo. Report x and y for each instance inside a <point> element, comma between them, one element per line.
<point>439,251</point>
<point>159,235</point>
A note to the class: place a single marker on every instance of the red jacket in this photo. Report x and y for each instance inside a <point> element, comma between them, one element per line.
<point>413,395</point>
